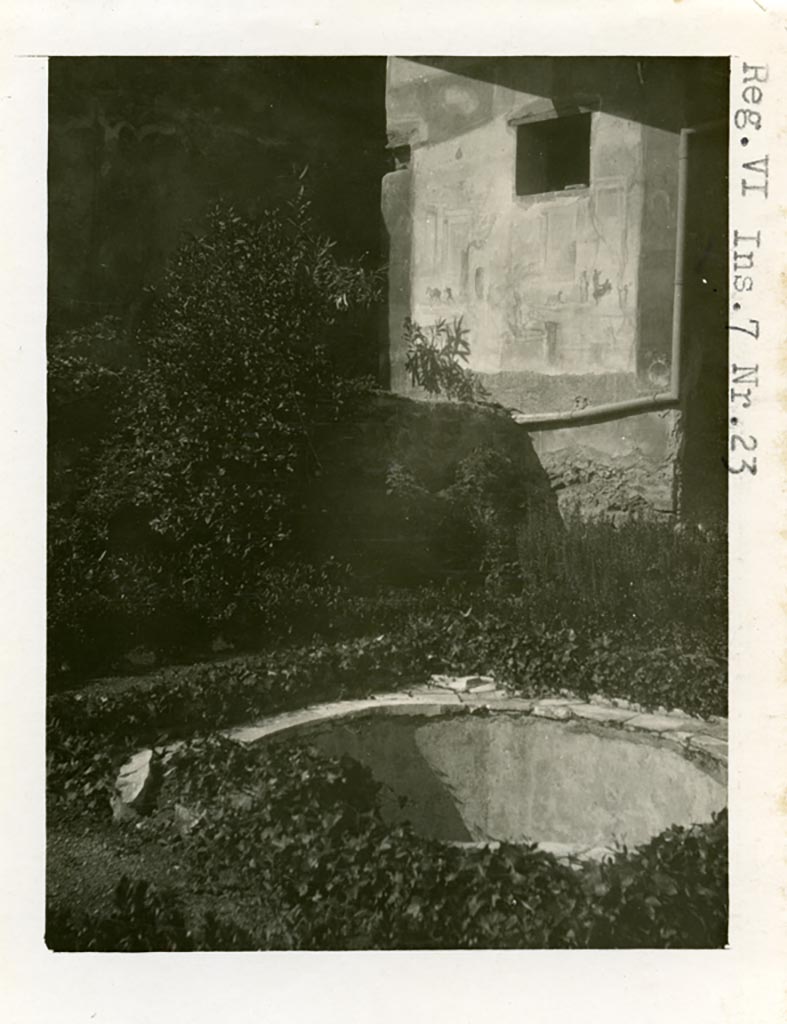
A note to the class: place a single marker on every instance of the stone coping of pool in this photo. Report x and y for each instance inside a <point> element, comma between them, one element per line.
<point>703,739</point>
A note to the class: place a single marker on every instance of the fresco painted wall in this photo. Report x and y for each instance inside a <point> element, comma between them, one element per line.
<point>547,284</point>
<point>568,295</point>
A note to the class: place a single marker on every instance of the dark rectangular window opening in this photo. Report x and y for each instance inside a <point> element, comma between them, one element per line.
<point>553,155</point>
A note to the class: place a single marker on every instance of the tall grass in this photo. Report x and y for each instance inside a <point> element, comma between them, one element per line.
<point>637,572</point>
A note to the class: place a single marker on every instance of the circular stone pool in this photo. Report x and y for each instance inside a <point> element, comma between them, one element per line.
<point>574,787</point>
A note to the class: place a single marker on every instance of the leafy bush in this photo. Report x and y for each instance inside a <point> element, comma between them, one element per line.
<point>434,359</point>
<point>471,524</point>
<point>178,455</point>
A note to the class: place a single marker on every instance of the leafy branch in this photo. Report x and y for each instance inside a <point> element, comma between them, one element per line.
<point>435,357</point>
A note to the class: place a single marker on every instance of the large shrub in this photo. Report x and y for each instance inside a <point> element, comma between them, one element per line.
<point>176,490</point>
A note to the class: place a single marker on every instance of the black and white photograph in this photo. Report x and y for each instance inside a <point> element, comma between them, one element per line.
<point>388,464</point>
<point>393,534</point>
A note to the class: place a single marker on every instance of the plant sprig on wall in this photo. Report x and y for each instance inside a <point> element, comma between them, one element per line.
<point>436,358</point>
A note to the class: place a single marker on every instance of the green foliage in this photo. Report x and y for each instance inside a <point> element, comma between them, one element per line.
<point>87,384</point>
<point>635,572</point>
<point>86,733</point>
<point>444,631</point>
<point>470,524</point>
<point>638,627</point>
<point>291,846</point>
<point>493,496</point>
<point>670,893</point>
<point>435,355</point>
<point>143,920</point>
<point>175,476</point>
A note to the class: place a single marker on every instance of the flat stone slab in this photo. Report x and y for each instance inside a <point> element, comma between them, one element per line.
<point>601,713</point>
<point>421,709</point>
<point>482,696</point>
<point>501,701</point>
<point>134,786</point>
<point>661,723</point>
<point>718,729</point>
<point>559,712</point>
<point>429,703</point>
<point>132,774</point>
<point>430,694</point>
<point>276,724</point>
<point>463,684</point>
<point>710,745</point>
<point>622,702</point>
<point>678,738</point>
<point>490,688</point>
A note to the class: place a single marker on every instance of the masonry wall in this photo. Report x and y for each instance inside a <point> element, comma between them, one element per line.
<point>547,284</point>
<point>567,295</point>
<point>544,284</point>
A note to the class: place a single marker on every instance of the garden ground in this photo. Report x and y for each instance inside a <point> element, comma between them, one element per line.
<point>658,640</point>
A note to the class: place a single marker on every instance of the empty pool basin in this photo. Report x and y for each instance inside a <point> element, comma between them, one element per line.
<point>567,785</point>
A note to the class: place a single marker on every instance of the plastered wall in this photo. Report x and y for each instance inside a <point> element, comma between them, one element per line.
<point>567,295</point>
<point>554,284</point>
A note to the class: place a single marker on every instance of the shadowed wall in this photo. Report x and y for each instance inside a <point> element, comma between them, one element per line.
<point>140,147</point>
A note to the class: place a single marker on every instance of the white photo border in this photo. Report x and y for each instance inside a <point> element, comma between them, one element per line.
<point>741,983</point>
